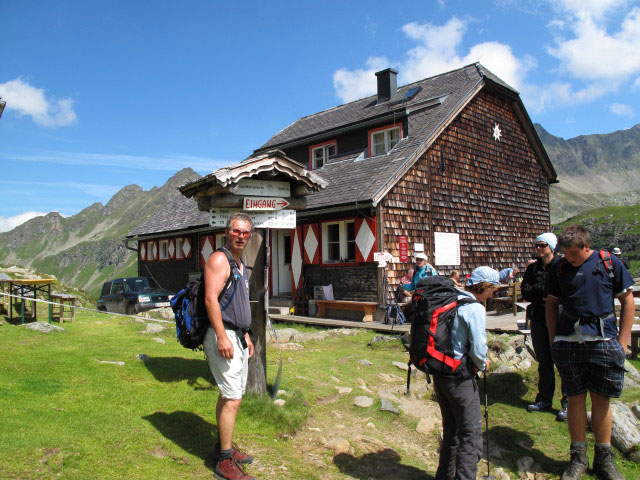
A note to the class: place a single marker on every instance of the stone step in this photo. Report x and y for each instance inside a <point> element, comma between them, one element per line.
<point>278,310</point>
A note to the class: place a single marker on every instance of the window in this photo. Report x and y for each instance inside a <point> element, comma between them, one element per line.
<point>163,246</point>
<point>117,287</point>
<point>179,254</point>
<point>339,242</point>
<point>220,239</point>
<point>382,140</point>
<point>106,289</point>
<point>319,154</point>
<point>150,253</point>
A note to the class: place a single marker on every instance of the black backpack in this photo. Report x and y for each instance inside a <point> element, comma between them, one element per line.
<point>436,305</point>
<point>189,309</point>
<point>393,315</point>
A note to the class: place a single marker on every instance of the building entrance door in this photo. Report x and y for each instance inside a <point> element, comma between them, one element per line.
<point>281,266</point>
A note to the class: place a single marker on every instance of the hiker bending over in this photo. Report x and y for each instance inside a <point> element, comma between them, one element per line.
<point>588,349</point>
<point>458,396</point>
<point>227,344</point>
<point>534,290</point>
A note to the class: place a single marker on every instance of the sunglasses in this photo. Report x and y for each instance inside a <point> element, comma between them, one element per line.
<point>240,233</point>
<point>542,245</point>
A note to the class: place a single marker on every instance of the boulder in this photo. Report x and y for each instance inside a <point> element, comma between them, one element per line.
<point>625,434</point>
<point>387,406</point>
<point>43,327</point>
<point>154,328</point>
<point>363,401</point>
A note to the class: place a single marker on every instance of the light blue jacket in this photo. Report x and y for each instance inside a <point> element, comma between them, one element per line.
<point>419,274</point>
<point>468,332</point>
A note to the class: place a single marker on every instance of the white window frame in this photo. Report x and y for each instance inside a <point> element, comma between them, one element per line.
<point>343,242</point>
<point>163,250</point>
<point>324,148</point>
<point>387,142</point>
<point>150,257</point>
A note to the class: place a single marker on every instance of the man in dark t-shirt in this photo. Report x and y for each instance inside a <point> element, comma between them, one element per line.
<point>588,349</point>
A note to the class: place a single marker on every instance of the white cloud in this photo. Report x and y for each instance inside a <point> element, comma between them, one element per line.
<point>352,85</point>
<point>636,84</point>
<point>595,8</point>
<point>29,100</point>
<point>621,109</point>
<point>171,163</point>
<point>9,223</point>
<point>435,53</point>
<point>594,53</point>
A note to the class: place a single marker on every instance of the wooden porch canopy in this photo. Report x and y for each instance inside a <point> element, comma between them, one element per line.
<point>219,188</point>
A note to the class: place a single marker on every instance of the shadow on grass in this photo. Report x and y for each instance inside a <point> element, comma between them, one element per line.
<point>178,369</point>
<point>189,431</point>
<point>506,388</point>
<point>379,465</point>
<point>520,444</point>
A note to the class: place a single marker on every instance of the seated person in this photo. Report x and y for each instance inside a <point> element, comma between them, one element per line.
<point>455,276</point>
<point>507,274</point>
<point>423,269</point>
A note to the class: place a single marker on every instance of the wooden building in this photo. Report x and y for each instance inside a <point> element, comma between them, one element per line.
<point>451,154</point>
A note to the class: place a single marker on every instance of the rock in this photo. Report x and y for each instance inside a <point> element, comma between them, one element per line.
<point>291,346</point>
<point>500,474</point>
<point>419,408</point>
<point>365,362</point>
<point>282,393</point>
<point>279,402</point>
<point>338,445</point>
<point>525,464</point>
<point>159,340</point>
<point>403,366</point>
<point>166,313</point>
<point>386,394</point>
<point>368,444</point>
<point>427,425</point>
<point>285,334</point>
<point>636,410</point>
<point>625,433</point>
<point>112,362</point>
<point>387,406</point>
<point>370,425</point>
<point>382,338</point>
<point>631,376</point>
<point>390,378</point>
<point>335,379</point>
<point>344,331</point>
<point>154,328</point>
<point>363,401</point>
<point>344,390</point>
<point>43,327</point>
<point>142,357</point>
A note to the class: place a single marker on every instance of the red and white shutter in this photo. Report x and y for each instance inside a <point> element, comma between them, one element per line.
<point>207,247</point>
<point>366,242</point>
<point>311,243</point>
<point>171,248</point>
<point>296,258</point>
<point>142,250</point>
<point>152,251</point>
<point>186,247</point>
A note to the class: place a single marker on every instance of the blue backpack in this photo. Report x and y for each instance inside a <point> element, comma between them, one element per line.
<point>189,309</point>
<point>393,315</point>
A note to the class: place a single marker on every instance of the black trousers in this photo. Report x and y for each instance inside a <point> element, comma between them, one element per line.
<point>546,370</point>
<point>459,401</point>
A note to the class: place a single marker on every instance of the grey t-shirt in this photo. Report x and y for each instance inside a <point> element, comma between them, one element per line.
<point>238,311</point>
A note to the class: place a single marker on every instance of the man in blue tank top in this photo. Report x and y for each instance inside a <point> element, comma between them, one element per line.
<point>227,344</point>
<point>587,347</point>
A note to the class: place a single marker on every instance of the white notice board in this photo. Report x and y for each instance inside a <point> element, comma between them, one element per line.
<point>447,248</point>
<point>285,219</point>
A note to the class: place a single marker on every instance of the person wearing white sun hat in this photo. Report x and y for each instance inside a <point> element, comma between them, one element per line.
<point>422,269</point>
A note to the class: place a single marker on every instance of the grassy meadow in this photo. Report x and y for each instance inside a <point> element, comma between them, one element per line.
<point>64,414</point>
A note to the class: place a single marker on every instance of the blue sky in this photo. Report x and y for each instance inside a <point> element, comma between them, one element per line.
<point>103,94</point>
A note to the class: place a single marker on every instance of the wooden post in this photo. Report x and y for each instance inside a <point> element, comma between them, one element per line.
<point>255,256</point>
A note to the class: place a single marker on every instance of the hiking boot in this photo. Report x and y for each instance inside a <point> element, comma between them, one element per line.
<point>561,416</point>
<point>539,407</point>
<point>604,465</point>
<point>238,455</point>
<point>577,465</point>
<point>230,470</point>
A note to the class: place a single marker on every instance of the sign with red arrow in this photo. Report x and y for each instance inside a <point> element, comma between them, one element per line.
<point>264,203</point>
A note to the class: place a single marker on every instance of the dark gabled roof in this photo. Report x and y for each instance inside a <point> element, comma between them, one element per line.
<point>181,213</point>
<point>353,178</point>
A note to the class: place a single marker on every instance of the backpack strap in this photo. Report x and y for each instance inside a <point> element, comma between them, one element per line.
<point>605,258</point>
<point>232,277</point>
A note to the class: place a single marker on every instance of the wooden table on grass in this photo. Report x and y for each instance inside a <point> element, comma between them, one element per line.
<point>27,287</point>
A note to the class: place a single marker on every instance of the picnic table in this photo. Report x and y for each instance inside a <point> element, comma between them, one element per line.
<point>27,287</point>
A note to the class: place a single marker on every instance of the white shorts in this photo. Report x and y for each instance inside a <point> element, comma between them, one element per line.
<point>230,374</point>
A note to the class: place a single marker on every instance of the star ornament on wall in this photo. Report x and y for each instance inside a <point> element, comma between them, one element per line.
<point>497,133</point>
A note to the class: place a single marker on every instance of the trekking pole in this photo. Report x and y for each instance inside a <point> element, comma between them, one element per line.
<point>488,476</point>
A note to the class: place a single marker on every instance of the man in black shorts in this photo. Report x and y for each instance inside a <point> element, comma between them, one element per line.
<point>588,350</point>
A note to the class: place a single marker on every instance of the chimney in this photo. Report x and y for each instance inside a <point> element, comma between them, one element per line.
<point>387,84</point>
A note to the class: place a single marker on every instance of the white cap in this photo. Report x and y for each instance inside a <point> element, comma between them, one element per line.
<point>617,251</point>
<point>420,255</point>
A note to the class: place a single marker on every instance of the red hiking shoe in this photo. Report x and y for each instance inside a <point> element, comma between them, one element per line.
<point>238,455</point>
<point>230,470</point>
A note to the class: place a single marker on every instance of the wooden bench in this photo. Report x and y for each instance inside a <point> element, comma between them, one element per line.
<point>367,307</point>
<point>68,301</point>
<point>635,340</point>
<point>510,300</point>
